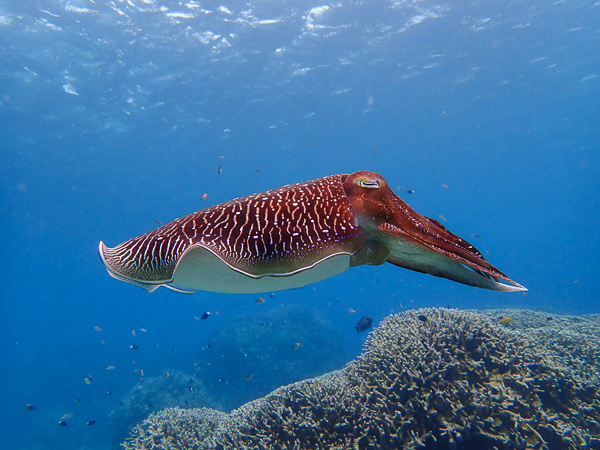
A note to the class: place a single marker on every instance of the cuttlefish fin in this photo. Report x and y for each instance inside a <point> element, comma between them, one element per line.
<point>148,286</point>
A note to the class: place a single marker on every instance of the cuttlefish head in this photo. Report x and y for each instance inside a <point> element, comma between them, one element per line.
<point>416,242</point>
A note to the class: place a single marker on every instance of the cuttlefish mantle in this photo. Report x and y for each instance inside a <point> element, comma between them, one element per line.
<point>297,235</point>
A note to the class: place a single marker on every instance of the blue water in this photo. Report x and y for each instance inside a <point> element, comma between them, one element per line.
<point>114,115</point>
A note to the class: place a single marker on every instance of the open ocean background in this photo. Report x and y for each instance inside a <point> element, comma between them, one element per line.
<point>115,115</point>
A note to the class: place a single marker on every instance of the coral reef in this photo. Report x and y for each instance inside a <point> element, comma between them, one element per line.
<point>175,428</point>
<point>253,354</point>
<point>151,394</point>
<point>430,378</point>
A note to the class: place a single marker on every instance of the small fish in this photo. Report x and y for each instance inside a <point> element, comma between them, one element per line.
<point>133,333</point>
<point>258,170</point>
<point>363,324</point>
<point>505,320</point>
<point>77,400</point>
<point>220,157</point>
<point>476,236</point>
<point>62,423</point>
<point>220,169</point>
<point>111,367</point>
<point>88,380</point>
<point>351,310</point>
<point>248,377</point>
<point>158,222</point>
<point>91,422</point>
<point>445,186</point>
<point>133,347</point>
<point>108,392</point>
<point>98,328</point>
<point>422,318</point>
<point>143,330</point>
<point>548,319</point>
<point>443,218</point>
<point>410,191</point>
<point>297,345</point>
<point>204,196</point>
<point>30,407</point>
<point>205,315</point>
<point>259,301</point>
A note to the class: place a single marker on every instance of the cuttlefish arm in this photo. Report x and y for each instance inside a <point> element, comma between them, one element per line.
<point>405,238</point>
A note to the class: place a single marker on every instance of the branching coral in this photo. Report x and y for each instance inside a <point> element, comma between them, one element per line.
<point>433,378</point>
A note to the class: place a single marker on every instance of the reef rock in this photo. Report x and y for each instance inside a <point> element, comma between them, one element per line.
<point>152,394</point>
<point>430,378</point>
<point>253,354</point>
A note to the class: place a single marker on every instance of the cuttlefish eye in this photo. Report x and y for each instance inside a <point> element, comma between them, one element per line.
<point>366,183</point>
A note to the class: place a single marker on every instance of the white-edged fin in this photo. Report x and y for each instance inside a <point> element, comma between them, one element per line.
<point>201,269</point>
<point>179,289</point>
<point>148,287</point>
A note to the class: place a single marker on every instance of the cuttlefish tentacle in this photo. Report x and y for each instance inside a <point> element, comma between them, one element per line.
<point>297,235</point>
<point>417,242</point>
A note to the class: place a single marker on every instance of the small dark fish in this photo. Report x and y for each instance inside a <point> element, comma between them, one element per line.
<point>77,400</point>
<point>220,169</point>
<point>257,170</point>
<point>133,347</point>
<point>91,422</point>
<point>422,318</point>
<point>108,392</point>
<point>158,222</point>
<point>476,236</point>
<point>410,191</point>
<point>548,318</point>
<point>62,423</point>
<point>247,377</point>
<point>190,388</point>
<point>205,315</point>
<point>363,324</point>
<point>30,407</point>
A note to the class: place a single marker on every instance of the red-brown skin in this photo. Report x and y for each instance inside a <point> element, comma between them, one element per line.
<point>385,216</point>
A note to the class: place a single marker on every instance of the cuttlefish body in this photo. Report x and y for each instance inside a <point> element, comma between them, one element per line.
<point>297,235</point>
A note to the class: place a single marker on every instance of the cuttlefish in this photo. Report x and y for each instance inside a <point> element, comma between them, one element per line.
<point>296,235</point>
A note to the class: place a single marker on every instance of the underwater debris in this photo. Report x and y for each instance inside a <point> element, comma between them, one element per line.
<point>462,381</point>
